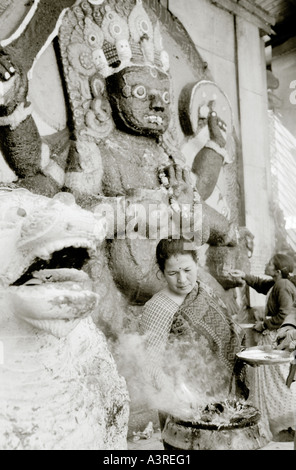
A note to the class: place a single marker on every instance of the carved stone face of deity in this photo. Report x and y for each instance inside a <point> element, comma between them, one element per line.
<point>140,100</point>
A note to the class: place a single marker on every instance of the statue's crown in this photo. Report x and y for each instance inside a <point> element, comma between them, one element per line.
<point>113,41</point>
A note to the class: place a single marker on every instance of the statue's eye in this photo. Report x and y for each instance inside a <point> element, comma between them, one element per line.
<point>139,92</point>
<point>166,97</point>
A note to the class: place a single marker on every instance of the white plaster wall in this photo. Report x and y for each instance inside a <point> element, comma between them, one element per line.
<point>255,146</point>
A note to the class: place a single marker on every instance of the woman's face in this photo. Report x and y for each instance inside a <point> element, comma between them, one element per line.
<point>269,268</point>
<point>180,273</point>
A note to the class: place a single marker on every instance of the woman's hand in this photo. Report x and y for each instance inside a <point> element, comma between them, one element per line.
<point>238,275</point>
<point>259,314</point>
<point>259,326</point>
<point>286,338</point>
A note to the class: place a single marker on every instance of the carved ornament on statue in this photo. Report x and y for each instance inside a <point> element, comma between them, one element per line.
<point>127,52</point>
<point>117,75</point>
<point>205,112</point>
<point>59,382</point>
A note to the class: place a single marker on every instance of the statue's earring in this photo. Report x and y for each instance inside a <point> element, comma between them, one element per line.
<point>126,91</point>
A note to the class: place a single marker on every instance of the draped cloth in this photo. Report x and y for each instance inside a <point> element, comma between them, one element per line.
<point>203,313</point>
<point>267,383</point>
<point>270,394</point>
<point>195,343</point>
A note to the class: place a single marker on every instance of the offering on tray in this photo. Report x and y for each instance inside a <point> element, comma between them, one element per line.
<point>225,414</point>
<point>263,355</point>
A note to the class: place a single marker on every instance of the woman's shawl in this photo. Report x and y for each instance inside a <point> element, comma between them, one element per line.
<point>195,344</point>
<point>203,313</point>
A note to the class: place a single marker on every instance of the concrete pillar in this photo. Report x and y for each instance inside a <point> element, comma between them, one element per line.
<point>253,111</point>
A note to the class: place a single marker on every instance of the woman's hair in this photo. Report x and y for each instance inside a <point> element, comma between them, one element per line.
<point>168,247</point>
<point>283,263</point>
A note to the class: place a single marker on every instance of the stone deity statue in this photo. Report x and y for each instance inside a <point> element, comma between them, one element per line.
<point>120,158</point>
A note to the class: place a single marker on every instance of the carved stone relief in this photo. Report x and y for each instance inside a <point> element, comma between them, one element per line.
<point>123,154</point>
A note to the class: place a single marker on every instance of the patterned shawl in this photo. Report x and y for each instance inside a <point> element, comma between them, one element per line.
<point>201,317</point>
<point>203,313</point>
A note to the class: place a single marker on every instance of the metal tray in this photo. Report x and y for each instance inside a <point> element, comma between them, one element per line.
<point>264,355</point>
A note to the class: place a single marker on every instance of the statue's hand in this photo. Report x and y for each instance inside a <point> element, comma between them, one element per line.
<point>180,182</point>
<point>217,129</point>
<point>13,85</point>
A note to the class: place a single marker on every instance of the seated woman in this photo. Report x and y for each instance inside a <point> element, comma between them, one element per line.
<point>286,339</point>
<point>280,290</point>
<point>268,390</point>
<point>191,340</point>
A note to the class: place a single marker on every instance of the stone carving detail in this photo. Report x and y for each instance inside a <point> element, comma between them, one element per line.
<point>4,5</point>
<point>119,89</point>
<point>102,45</point>
<point>120,157</point>
<point>126,55</point>
<point>56,364</point>
<point>205,110</point>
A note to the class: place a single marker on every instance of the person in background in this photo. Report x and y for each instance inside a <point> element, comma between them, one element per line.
<point>268,390</point>
<point>280,291</point>
<point>286,340</point>
<point>286,334</point>
<point>191,340</point>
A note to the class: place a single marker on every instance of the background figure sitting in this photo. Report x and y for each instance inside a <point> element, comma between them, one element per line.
<point>286,339</point>
<point>268,390</point>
